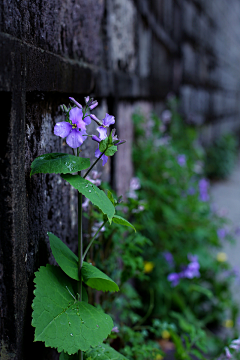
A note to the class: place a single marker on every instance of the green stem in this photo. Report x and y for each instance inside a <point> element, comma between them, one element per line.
<point>150,309</point>
<point>80,250</point>
<point>93,164</point>
<point>89,245</point>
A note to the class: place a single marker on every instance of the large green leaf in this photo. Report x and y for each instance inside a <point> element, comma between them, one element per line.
<point>93,193</point>
<point>60,320</point>
<point>68,262</point>
<point>58,163</point>
<point>121,221</point>
<point>65,258</point>
<point>103,352</point>
<point>96,279</point>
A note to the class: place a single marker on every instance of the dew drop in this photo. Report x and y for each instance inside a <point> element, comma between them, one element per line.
<point>69,323</point>
<point>71,334</point>
<point>89,190</point>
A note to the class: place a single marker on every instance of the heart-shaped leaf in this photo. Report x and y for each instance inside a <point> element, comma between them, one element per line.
<point>60,320</point>
<point>58,163</point>
<point>93,193</point>
<point>68,262</point>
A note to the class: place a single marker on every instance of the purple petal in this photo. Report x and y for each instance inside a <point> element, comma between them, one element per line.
<point>102,132</point>
<point>62,129</point>
<point>87,120</point>
<point>82,133</point>
<point>99,122</point>
<point>86,99</point>
<point>104,159</point>
<point>75,115</point>
<point>75,139</point>
<point>98,153</point>
<point>108,120</point>
<point>94,104</point>
<point>95,138</point>
<point>76,103</point>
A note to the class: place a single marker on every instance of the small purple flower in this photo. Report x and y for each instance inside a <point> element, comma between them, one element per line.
<point>174,279</point>
<point>70,131</point>
<point>181,159</point>
<point>169,258</point>
<point>76,103</point>
<point>203,190</point>
<point>166,116</point>
<point>221,233</point>
<point>228,354</point>
<point>115,329</point>
<point>98,153</point>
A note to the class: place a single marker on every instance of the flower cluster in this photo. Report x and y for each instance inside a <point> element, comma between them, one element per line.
<point>74,126</point>
<point>189,272</point>
<point>203,190</point>
<point>235,346</point>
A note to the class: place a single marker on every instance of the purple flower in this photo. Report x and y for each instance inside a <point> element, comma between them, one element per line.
<point>76,103</point>
<point>221,233</point>
<point>181,159</point>
<point>98,153</point>
<point>203,190</point>
<point>174,279</point>
<point>70,131</point>
<point>115,329</point>
<point>169,258</point>
<point>166,116</point>
<point>228,354</point>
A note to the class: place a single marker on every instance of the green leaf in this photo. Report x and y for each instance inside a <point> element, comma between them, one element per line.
<point>202,290</point>
<point>103,145</point>
<point>58,163</point>
<point>103,352</point>
<point>111,198</point>
<point>121,221</point>
<point>96,279</point>
<point>60,320</point>
<point>111,150</point>
<point>64,356</point>
<point>68,262</point>
<point>65,258</point>
<point>93,193</point>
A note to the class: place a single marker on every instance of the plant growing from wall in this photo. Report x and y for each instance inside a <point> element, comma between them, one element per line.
<point>62,317</point>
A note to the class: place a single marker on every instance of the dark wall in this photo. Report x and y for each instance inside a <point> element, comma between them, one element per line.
<point>129,54</point>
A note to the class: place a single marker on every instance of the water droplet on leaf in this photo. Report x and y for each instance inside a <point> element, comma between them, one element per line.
<point>71,334</point>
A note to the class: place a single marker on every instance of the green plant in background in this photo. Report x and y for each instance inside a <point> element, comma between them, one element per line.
<point>62,316</point>
<point>221,157</point>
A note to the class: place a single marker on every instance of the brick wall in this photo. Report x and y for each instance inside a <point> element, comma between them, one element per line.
<point>129,54</point>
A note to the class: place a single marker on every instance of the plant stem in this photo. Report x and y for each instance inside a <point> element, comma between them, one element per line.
<point>89,245</point>
<point>93,164</point>
<point>151,305</point>
<point>80,250</point>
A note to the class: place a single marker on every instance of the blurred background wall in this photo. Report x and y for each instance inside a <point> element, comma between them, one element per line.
<point>129,55</point>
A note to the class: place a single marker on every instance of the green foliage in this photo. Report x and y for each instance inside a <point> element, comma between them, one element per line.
<point>58,163</point>
<point>92,192</point>
<point>60,320</point>
<point>121,221</point>
<point>65,258</point>
<point>221,157</point>
<point>68,262</point>
<point>103,352</point>
<point>96,279</point>
<point>107,146</point>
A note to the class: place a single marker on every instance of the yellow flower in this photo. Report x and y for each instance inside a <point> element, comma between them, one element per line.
<point>158,357</point>
<point>148,266</point>
<point>221,257</point>
<point>166,334</point>
<point>228,323</point>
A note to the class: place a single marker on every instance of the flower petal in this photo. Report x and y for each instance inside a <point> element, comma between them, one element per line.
<point>98,153</point>
<point>76,103</point>
<point>104,159</point>
<point>75,139</point>
<point>102,132</point>
<point>75,115</point>
<point>108,120</point>
<point>83,133</point>
<point>87,120</point>
<point>62,129</point>
<point>95,138</point>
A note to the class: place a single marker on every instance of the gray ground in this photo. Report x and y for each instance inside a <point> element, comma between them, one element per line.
<point>226,196</point>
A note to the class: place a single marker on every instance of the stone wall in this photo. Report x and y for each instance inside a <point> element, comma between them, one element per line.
<point>128,54</point>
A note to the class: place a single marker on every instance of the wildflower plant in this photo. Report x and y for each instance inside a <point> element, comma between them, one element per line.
<point>62,317</point>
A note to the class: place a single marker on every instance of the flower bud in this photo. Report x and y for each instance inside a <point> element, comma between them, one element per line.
<point>93,105</point>
<point>76,103</point>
